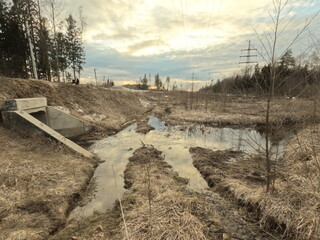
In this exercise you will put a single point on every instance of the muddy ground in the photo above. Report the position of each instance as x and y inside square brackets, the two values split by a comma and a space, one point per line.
[158, 205]
[41, 181]
[180, 108]
[290, 209]
[39, 185]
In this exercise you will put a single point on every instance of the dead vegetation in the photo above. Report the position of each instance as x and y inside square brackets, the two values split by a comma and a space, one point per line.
[292, 209]
[39, 184]
[158, 205]
[232, 110]
[100, 226]
[107, 109]
[41, 180]
[293, 206]
[143, 126]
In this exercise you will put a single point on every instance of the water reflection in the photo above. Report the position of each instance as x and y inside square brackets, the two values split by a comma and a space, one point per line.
[174, 142]
[223, 138]
[115, 151]
[157, 124]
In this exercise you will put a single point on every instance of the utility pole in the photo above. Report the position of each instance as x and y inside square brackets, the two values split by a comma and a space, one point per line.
[248, 57]
[34, 67]
[95, 76]
[192, 81]
[192, 91]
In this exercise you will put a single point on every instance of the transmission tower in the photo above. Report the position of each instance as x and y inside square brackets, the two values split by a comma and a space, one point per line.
[247, 54]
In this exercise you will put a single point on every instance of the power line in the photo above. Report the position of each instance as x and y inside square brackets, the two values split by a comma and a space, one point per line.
[209, 21]
[184, 16]
[248, 55]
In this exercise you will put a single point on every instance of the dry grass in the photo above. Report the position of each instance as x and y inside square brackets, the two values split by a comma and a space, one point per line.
[100, 226]
[293, 208]
[39, 179]
[295, 203]
[297, 210]
[236, 110]
[171, 212]
[106, 108]
[156, 206]
[38, 182]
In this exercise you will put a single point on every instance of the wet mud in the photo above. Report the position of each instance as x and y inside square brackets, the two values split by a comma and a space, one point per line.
[163, 174]
[159, 205]
[173, 142]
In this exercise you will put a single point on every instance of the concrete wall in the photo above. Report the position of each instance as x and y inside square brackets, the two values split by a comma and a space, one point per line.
[66, 124]
[13, 121]
[41, 116]
[27, 104]
[61, 122]
[24, 122]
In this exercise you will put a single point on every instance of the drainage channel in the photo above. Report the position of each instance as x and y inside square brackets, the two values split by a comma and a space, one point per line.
[174, 142]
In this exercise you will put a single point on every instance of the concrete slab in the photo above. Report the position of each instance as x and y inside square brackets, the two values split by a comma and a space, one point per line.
[27, 104]
[53, 133]
[27, 114]
[67, 125]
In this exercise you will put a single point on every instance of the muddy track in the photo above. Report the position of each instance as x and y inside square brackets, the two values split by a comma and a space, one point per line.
[217, 167]
[158, 205]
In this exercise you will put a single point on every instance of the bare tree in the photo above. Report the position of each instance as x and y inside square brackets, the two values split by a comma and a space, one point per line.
[54, 9]
[168, 82]
[269, 42]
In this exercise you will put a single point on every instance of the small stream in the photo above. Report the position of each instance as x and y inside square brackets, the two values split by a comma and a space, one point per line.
[174, 142]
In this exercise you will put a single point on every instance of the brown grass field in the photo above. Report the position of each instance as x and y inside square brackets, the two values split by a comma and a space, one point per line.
[41, 181]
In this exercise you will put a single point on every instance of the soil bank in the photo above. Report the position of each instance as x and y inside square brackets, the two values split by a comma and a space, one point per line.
[40, 179]
[291, 208]
[158, 205]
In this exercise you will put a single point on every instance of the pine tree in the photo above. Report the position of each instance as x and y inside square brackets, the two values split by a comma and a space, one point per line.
[3, 36]
[13, 43]
[55, 51]
[42, 51]
[74, 46]
[62, 53]
[157, 81]
[25, 13]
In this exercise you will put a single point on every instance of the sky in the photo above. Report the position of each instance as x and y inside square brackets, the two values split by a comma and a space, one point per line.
[186, 39]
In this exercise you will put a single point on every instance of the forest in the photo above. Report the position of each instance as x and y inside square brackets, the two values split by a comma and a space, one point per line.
[291, 78]
[40, 40]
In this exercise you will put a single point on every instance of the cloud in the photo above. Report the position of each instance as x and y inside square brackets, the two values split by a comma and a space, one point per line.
[125, 39]
[147, 47]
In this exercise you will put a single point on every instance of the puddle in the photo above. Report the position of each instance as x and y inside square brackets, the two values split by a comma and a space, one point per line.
[157, 124]
[174, 143]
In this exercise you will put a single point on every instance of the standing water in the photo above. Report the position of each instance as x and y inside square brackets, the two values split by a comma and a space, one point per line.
[173, 142]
